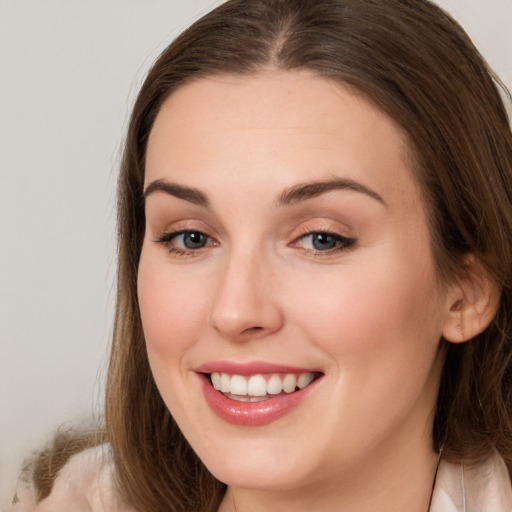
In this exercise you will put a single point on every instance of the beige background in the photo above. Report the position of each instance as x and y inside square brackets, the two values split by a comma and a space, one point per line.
[69, 69]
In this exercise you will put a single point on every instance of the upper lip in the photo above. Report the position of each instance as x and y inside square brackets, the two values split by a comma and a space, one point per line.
[250, 368]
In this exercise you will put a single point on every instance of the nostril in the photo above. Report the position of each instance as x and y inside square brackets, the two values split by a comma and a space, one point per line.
[252, 330]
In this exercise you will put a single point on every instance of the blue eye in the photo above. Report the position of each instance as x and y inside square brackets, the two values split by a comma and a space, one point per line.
[321, 241]
[185, 242]
[193, 239]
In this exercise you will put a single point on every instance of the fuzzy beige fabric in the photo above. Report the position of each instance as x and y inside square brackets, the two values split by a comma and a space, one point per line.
[85, 484]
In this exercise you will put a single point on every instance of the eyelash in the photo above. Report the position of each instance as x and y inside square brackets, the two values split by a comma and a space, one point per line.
[343, 243]
[167, 238]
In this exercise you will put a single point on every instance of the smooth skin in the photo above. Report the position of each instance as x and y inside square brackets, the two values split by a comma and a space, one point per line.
[342, 281]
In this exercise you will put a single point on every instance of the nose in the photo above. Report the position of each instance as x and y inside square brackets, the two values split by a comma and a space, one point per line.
[245, 304]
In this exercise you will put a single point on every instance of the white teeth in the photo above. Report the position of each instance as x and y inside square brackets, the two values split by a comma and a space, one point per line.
[304, 379]
[216, 380]
[224, 382]
[274, 385]
[238, 385]
[289, 383]
[257, 386]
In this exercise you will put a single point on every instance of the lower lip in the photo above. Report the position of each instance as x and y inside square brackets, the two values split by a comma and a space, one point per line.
[253, 414]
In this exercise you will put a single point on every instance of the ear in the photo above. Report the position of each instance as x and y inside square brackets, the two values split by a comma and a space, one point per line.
[472, 303]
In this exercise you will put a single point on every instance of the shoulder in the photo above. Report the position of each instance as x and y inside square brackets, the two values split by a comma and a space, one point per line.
[86, 483]
[485, 487]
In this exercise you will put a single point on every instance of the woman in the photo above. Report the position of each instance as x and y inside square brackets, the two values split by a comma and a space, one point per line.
[314, 272]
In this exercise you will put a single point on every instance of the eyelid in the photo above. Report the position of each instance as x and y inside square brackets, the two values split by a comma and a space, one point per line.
[161, 228]
[323, 226]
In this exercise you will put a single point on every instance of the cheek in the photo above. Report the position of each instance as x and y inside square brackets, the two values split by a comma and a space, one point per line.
[169, 309]
[380, 327]
[371, 308]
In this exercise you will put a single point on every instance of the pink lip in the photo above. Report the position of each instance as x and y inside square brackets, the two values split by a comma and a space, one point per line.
[250, 368]
[251, 413]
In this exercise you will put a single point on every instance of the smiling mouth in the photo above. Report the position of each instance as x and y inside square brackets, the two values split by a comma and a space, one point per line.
[259, 387]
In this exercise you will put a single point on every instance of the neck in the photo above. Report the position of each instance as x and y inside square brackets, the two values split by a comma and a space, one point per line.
[400, 480]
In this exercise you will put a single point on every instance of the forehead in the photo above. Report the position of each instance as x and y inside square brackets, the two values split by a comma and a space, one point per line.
[280, 128]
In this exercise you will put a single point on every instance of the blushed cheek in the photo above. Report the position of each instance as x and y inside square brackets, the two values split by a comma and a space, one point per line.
[156, 308]
[362, 315]
[171, 311]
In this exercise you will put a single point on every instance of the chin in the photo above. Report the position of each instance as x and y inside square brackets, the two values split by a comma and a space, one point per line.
[260, 475]
[259, 462]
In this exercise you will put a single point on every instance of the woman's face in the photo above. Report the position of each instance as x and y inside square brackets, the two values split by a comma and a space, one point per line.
[286, 245]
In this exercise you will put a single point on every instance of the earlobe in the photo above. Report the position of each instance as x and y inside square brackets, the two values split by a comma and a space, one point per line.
[472, 303]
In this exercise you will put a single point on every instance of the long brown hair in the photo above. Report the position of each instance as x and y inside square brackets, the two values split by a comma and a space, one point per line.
[414, 62]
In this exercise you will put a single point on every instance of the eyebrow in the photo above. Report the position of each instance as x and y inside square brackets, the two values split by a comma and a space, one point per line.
[291, 195]
[189, 194]
[309, 190]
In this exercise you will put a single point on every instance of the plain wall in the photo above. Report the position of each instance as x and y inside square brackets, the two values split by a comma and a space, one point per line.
[69, 70]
